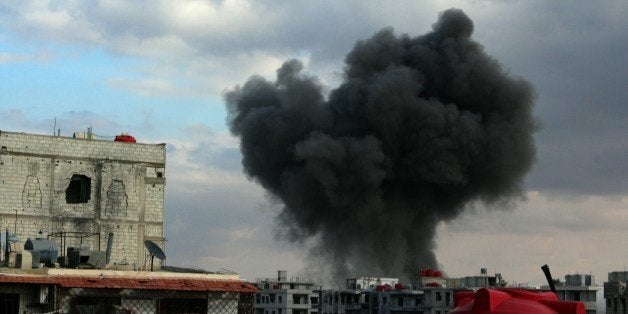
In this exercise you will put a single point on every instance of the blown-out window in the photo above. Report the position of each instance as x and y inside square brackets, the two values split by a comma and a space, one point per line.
[79, 190]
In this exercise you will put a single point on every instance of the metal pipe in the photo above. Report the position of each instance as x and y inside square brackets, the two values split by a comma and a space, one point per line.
[548, 276]
[109, 247]
[6, 247]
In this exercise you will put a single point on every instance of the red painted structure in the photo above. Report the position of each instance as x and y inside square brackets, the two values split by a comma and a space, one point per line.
[494, 301]
[385, 287]
[428, 272]
[125, 138]
[139, 283]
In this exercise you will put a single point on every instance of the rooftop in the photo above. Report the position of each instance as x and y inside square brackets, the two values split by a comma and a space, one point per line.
[106, 279]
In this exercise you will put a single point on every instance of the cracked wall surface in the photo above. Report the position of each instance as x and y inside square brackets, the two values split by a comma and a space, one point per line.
[58, 184]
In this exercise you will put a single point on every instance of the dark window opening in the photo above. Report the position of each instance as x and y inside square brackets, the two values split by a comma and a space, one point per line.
[85, 304]
[10, 303]
[79, 190]
[191, 306]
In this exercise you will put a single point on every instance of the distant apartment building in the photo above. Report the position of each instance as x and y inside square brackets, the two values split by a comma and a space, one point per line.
[77, 191]
[386, 300]
[344, 301]
[365, 295]
[483, 280]
[577, 287]
[429, 294]
[286, 296]
[615, 292]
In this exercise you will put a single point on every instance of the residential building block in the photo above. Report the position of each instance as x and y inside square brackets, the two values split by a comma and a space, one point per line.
[76, 191]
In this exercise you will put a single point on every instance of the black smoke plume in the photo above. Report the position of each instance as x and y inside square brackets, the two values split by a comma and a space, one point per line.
[419, 127]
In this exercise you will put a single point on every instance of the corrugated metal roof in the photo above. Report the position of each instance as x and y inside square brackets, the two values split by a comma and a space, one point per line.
[138, 283]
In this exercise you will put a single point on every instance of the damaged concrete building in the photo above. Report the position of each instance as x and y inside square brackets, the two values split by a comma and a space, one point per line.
[77, 192]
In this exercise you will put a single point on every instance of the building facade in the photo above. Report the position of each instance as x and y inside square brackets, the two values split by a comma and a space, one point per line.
[76, 192]
[430, 293]
[615, 292]
[386, 295]
[577, 287]
[105, 291]
[286, 296]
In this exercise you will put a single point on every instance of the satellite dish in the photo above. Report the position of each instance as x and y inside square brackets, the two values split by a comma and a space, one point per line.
[155, 251]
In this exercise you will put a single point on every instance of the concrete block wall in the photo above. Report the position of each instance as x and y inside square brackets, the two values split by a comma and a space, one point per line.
[40, 176]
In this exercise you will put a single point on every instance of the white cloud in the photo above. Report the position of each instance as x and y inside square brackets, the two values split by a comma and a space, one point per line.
[189, 162]
[164, 47]
[40, 19]
[228, 18]
[209, 46]
[9, 58]
[151, 87]
[41, 15]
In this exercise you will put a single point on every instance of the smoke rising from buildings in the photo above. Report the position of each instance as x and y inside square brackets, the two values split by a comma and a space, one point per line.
[419, 127]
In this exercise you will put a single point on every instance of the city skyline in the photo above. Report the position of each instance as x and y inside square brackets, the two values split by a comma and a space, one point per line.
[159, 70]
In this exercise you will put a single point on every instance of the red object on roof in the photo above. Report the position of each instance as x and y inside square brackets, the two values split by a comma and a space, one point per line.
[140, 283]
[493, 301]
[125, 138]
[385, 287]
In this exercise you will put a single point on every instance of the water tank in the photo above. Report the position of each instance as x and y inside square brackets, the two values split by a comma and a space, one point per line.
[125, 138]
[48, 250]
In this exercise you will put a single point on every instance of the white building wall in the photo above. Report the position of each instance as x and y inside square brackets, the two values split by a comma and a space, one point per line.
[126, 195]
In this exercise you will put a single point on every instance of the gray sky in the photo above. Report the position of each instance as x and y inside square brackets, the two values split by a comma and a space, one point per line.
[158, 70]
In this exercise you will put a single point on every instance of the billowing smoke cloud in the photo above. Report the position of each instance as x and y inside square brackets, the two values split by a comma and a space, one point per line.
[419, 127]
